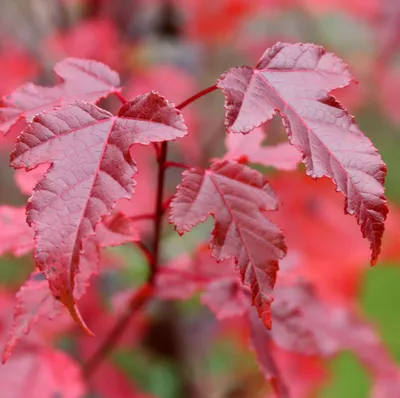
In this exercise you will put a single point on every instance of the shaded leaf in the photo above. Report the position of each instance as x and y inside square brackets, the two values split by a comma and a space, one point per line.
[16, 236]
[82, 79]
[295, 79]
[249, 149]
[32, 302]
[91, 168]
[41, 373]
[237, 197]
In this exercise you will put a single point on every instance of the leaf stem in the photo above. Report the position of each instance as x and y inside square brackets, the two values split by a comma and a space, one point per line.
[196, 96]
[121, 97]
[176, 164]
[137, 301]
[144, 216]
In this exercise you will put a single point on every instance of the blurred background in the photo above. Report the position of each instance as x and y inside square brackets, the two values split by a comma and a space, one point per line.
[178, 47]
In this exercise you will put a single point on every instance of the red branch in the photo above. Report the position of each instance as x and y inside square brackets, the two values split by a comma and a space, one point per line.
[145, 293]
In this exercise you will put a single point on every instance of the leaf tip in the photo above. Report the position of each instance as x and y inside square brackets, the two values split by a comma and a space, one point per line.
[69, 302]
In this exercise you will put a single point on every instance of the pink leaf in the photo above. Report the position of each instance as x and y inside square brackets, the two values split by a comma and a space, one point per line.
[295, 79]
[82, 79]
[227, 298]
[116, 230]
[91, 168]
[15, 235]
[249, 149]
[237, 197]
[33, 301]
[41, 373]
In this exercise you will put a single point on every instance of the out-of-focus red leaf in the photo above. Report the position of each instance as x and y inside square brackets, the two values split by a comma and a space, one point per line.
[16, 67]
[221, 288]
[92, 39]
[26, 180]
[83, 183]
[16, 236]
[33, 301]
[81, 79]
[296, 79]
[237, 197]
[248, 148]
[116, 230]
[304, 323]
[332, 256]
[366, 9]
[260, 341]
[41, 373]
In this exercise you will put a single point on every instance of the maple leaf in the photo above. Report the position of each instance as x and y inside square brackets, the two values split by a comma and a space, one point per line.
[32, 302]
[237, 197]
[91, 168]
[41, 373]
[249, 149]
[295, 80]
[15, 235]
[83, 80]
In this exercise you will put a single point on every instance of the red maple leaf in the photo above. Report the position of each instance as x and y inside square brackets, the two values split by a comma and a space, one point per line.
[82, 80]
[91, 168]
[295, 79]
[237, 197]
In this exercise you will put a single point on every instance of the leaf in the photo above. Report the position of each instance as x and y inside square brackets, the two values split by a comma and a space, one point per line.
[86, 80]
[32, 302]
[237, 197]
[227, 298]
[116, 230]
[305, 324]
[249, 149]
[15, 235]
[317, 211]
[41, 373]
[261, 343]
[295, 80]
[91, 168]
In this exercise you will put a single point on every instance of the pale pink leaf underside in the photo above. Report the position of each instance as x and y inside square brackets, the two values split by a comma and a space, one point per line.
[295, 80]
[82, 79]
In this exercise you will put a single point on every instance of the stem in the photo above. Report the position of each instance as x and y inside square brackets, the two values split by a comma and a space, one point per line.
[176, 164]
[137, 301]
[159, 210]
[144, 216]
[120, 97]
[198, 95]
[141, 296]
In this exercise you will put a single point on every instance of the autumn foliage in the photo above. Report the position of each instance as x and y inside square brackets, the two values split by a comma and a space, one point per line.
[108, 164]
